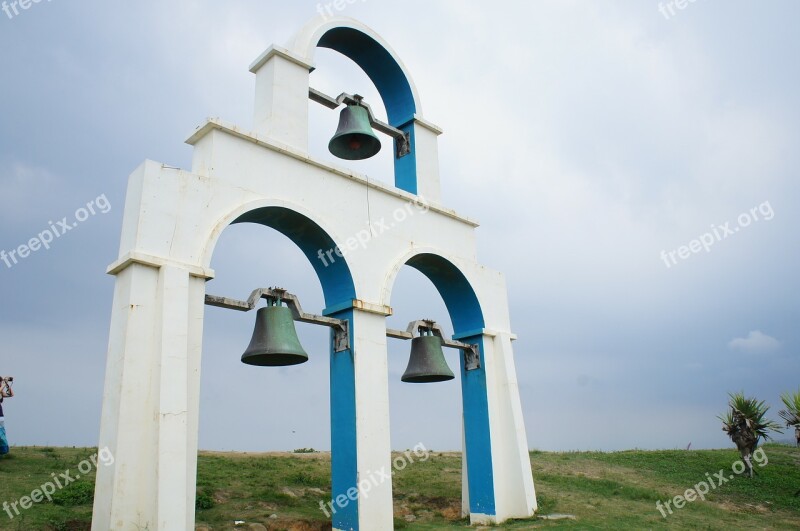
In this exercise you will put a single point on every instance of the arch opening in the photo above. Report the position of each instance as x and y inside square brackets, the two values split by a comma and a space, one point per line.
[335, 277]
[381, 67]
[233, 395]
[459, 297]
[392, 81]
[275, 398]
[334, 74]
[466, 316]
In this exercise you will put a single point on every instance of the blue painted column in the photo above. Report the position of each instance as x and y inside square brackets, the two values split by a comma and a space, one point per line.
[477, 433]
[361, 445]
[344, 463]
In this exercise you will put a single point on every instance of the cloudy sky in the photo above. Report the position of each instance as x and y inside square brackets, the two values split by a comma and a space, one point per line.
[592, 140]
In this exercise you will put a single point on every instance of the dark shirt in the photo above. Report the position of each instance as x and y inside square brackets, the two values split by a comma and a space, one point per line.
[1, 407]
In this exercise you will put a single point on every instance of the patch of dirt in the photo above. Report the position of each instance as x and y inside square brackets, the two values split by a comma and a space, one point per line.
[298, 525]
[757, 509]
[438, 502]
[452, 513]
[267, 506]
[221, 496]
[730, 507]
[302, 492]
[289, 492]
[448, 509]
[401, 509]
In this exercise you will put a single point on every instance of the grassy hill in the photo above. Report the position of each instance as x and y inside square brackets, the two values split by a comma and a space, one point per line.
[602, 490]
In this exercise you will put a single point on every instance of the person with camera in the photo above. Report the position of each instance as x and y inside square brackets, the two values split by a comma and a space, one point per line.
[5, 392]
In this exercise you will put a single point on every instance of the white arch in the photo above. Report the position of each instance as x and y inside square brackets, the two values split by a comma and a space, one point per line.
[304, 45]
[391, 277]
[233, 215]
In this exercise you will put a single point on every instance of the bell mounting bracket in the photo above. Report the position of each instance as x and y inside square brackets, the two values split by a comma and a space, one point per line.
[472, 357]
[341, 328]
[402, 139]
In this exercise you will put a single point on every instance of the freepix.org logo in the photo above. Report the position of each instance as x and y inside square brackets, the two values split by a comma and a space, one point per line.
[59, 481]
[374, 230]
[55, 230]
[12, 9]
[717, 234]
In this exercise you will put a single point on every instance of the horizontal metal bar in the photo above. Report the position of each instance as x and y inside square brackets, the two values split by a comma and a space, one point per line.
[268, 293]
[323, 99]
[399, 334]
[456, 344]
[341, 328]
[319, 320]
[387, 129]
[230, 304]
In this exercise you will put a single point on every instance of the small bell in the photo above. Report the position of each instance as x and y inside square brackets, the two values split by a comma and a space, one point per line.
[274, 341]
[427, 363]
[354, 138]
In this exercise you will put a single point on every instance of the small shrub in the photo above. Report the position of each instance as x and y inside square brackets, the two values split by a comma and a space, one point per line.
[303, 478]
[50, 452]
[204, 500]
[59, 524]
[75, 494]
[400, 523]
[546, 504]
[68, 525]
[305, 451]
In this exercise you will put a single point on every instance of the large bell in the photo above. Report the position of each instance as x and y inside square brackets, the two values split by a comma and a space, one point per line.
[427, 363]
[275, 341]
[354, 138]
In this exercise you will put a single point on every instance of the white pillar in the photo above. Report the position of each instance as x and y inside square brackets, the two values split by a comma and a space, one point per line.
[281, 105]
[515, 496]
[361, 443]
[372, 422]
[426, 144]
[151, 400]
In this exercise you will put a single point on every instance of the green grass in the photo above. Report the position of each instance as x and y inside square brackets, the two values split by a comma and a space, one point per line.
[26, 469]
[602, 490]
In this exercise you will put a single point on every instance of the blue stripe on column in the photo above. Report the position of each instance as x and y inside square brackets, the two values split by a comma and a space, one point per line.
[480, 473]
[344, 464]
[405, 168]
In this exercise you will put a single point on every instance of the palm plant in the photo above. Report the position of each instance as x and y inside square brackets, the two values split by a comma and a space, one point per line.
[792, 412]
[746, 424]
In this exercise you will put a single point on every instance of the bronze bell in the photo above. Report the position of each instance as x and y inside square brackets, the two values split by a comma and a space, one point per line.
[427, 363]
[354, 138]
[275, 341]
